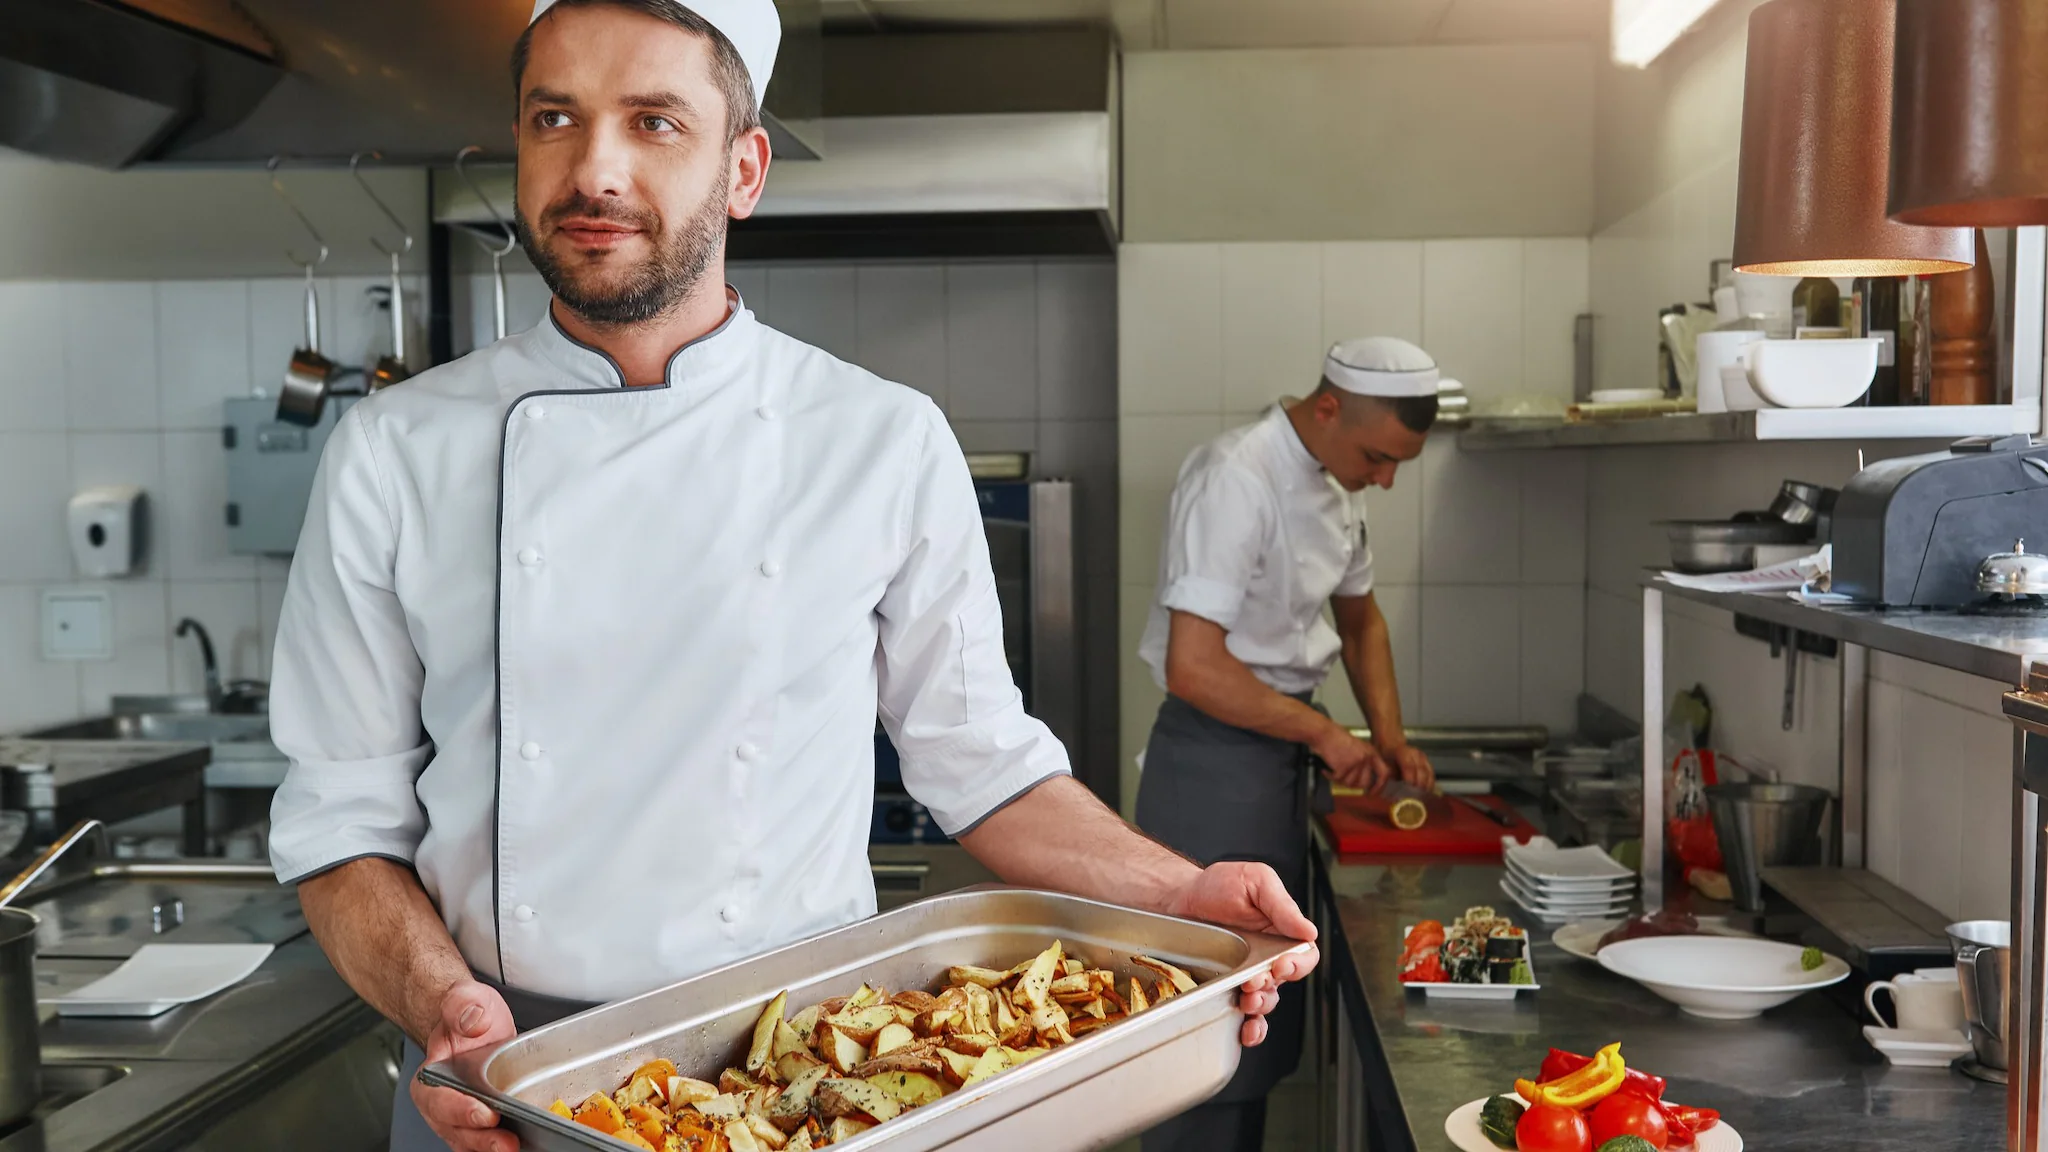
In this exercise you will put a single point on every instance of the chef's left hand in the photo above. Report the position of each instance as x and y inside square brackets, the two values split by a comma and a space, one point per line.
[1409, 763]
[1250, 897]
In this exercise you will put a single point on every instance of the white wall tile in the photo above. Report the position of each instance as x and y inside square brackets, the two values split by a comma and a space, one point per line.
[1169, 316]
[1614, 650]
[110, 356]
[35, 474]
[125, 458]
[1150, 450]
[1471, 655]
[32, 377]
[1630, 262]
[32, 691]
[991, 341]
[902, 325]
[1393, 522]
[141, 663]
[1553, 654]
[996, 435]
[1556, 288]
[1372, 288]
[277, 326]
[1472, 314]
[1272, 323]
[203, 338]
[232, 613]
[1553, 517]
[192, 514]
[1471, 515]
[1077, 339]
[1401, 606]
[817, 305]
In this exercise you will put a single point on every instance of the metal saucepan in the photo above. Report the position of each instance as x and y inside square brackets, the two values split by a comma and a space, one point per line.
[302, 396]
[1798, 502]
[1726, 545]
[21, 1056]
[390, 369]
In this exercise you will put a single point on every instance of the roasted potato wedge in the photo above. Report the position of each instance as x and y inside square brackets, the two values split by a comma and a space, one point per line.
[685, 1090]
[763, 1049]
[1137, 1002]
[925, 1063]
[1035, 986]
[972, 1043]
[741, 1137]
[968, 974]
[1181, 981]
[732, 1081]
[724, 1108]
[858, 1098]
[991, 1062]
[765, 1133]
[841, 1051]
[958, 1064]
[845, 1128]
[911, 1089]
[793, 1107]
[891, 1038]
[806, 1021]
[863, 1023]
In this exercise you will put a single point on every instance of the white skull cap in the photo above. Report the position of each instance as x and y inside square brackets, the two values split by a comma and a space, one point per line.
[753, 26]
[1381, 366]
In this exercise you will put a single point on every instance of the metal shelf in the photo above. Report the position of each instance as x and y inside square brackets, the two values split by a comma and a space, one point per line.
[1942, 422]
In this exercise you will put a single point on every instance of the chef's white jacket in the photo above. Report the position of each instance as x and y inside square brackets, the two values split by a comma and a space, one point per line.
[1258, 538]
[602, 664]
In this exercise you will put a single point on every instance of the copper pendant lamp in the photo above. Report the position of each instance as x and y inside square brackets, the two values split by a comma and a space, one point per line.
[1816, 132]
[1970, 113]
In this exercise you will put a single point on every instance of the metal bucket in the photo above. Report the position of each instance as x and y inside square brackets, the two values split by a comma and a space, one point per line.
[1983, 950]
[20, 1049]
[1764, 826]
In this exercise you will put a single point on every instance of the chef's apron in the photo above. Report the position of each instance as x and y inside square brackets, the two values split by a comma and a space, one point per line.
[409, 1131]
[1214, 792]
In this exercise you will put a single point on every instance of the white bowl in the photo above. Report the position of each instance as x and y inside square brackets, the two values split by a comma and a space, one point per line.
[1811, 373]
[1718, 977]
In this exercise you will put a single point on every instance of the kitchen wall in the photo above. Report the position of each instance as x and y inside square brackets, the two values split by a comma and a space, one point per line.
[1480, 556]
[1939, 753]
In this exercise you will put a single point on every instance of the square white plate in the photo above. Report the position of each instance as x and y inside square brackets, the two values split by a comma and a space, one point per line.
[1918, 1049]
[1585, 909]
[1593, 886]
[159, 977]
[1542, 859]
[1439, 990]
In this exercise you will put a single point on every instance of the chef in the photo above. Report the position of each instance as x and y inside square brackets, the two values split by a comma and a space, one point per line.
[588, 631]
[1265, 528]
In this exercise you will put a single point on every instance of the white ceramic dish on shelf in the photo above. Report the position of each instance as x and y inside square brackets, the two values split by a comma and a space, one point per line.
[1811, 373]
[1908, 1049]
[1462, 1126]
[1718, 977]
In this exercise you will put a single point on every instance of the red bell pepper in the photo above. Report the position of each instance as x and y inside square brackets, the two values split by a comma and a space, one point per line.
[1685, 1124]
[1561, 1063]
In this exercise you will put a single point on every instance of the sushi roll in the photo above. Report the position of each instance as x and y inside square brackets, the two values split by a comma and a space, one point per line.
[1464, 960]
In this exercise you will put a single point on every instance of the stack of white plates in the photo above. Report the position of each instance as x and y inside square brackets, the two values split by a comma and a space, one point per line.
[1558, 885]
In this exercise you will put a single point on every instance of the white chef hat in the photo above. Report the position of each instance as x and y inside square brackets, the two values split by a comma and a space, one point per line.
[1380, 366]
[753, 26]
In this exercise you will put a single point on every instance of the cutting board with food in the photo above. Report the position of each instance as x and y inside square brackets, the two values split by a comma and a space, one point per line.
[1450, 825]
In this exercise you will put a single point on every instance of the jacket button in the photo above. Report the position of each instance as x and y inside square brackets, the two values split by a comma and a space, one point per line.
[530, 557]
[535, 411]
[771, 568]
[766, 412]
[747, 752]
[729, 913]
[529, 751]
[523, 913]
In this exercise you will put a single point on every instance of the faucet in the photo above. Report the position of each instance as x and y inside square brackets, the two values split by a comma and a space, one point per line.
[213, 690]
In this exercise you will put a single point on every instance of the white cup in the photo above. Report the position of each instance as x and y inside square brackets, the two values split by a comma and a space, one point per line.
[1712, 352]
[1924, 1001]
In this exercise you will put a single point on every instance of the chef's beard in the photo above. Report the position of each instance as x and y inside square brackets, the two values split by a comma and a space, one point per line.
[612, 298]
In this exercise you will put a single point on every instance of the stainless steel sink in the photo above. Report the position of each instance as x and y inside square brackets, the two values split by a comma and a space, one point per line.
[180, 727]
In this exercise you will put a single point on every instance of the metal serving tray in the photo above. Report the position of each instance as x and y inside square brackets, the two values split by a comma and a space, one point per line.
[1103, 1088]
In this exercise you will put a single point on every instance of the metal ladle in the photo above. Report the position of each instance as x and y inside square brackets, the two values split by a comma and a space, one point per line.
[389, 369]
[303, 395]
[497, 254]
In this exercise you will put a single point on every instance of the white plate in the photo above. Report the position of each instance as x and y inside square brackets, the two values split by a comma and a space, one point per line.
[1580, 909]
[1581, 938]
[1592, 884]
[1554, 898]
[1438, 990]
[1462, 1127]
[1542, 859]
[1719, 977]
[1918, 1049]
[159, 977]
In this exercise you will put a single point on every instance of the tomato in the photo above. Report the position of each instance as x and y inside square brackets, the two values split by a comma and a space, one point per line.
[1626, 1114]
[1550, 1128]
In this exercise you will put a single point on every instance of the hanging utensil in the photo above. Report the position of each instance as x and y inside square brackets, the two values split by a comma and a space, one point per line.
[497, 254]
[389, 369]
[303, 395]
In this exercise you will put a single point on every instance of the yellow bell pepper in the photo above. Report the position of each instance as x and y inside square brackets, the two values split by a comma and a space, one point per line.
[1583, 1088]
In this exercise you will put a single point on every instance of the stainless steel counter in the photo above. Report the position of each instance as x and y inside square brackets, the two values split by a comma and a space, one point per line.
[1799, 1077]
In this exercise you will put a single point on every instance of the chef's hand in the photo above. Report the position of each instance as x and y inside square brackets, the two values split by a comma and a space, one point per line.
[1250, 897]
[1409, 763]
[1351, 761]
[473, 1016]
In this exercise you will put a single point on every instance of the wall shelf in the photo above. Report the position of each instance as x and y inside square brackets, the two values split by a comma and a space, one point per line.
[1918, 423]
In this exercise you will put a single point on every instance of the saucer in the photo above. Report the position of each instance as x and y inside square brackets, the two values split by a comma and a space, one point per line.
[1911, 1049]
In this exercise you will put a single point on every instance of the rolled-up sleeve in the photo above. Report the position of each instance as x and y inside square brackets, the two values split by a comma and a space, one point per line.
[947, 699]
[345, 678]
[1217, 529]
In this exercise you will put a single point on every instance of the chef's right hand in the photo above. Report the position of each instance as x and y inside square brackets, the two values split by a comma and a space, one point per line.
[473, 1016]
[1351, 761]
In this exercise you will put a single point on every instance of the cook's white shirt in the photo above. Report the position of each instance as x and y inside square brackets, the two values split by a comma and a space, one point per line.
[603, 664]
[1258, 538]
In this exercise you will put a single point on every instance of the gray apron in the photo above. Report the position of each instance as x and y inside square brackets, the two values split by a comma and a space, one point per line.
[1216, 792]
[530, 1010]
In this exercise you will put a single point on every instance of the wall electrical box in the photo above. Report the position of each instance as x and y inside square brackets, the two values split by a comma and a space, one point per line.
[270, 472]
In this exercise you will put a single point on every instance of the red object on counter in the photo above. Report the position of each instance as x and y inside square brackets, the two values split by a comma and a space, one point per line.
[1360, 827]
[1561, 1063]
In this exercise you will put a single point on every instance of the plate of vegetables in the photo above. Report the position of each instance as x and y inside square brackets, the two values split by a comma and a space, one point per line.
[1481, 956]
[1591, 1103]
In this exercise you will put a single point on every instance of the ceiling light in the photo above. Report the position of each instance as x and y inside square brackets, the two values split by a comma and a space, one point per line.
[1969, 140]
[1643, 29]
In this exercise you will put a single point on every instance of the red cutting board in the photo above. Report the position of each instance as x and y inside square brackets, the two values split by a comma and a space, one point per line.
[1360, 826]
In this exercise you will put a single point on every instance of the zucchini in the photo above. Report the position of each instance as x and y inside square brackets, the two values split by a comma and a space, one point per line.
[1498, 1119]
